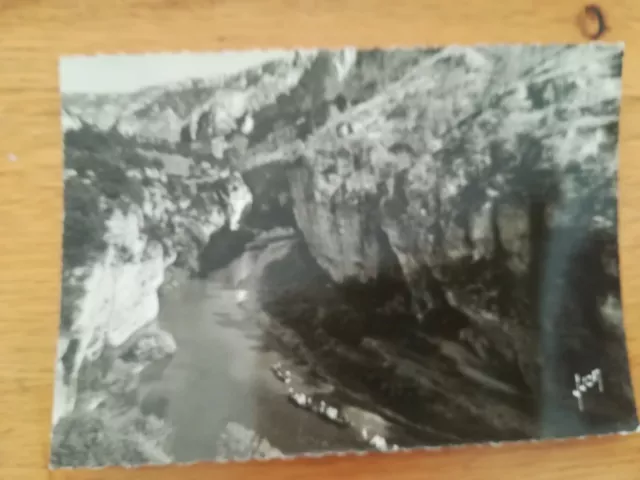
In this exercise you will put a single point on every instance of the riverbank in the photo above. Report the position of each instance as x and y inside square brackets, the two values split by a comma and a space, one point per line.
[272, 305]
[221, 370]
[435, 389]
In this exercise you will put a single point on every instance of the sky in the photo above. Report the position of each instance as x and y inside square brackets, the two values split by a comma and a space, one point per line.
[126, 73]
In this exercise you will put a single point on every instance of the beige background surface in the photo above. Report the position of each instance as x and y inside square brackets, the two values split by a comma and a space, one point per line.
[33, 33]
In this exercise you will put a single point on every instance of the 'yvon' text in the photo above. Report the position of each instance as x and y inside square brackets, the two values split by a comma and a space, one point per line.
[585, 383]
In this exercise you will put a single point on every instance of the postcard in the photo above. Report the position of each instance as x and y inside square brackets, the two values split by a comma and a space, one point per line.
[281, 253]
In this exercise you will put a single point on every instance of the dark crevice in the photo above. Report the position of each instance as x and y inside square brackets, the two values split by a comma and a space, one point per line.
[271, 208]
[499, 260]
[224, 246]
[68, 358]
[272, 202]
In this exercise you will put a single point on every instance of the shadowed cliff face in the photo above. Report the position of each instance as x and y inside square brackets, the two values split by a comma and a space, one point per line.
[273, 207]
[498, 205]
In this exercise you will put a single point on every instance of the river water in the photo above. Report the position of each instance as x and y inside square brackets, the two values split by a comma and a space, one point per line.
[220, 372]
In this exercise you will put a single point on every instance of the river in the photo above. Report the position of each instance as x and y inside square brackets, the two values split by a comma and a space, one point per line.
[220, 372]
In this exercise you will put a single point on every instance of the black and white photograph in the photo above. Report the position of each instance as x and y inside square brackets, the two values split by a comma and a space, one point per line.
[283, 253]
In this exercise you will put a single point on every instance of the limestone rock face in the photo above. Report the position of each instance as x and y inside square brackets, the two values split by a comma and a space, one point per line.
[126, 223]
[194, 110]
[469, 168]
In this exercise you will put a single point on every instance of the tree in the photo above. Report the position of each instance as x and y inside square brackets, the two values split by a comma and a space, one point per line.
[84, 223]
[99, 438]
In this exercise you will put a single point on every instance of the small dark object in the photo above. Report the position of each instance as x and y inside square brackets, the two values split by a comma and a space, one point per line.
[341, 103]
[593, 12]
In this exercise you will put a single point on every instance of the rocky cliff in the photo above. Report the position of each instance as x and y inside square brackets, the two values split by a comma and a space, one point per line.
[257, 111]
[198, 109]
[127, 223]
[489, 177]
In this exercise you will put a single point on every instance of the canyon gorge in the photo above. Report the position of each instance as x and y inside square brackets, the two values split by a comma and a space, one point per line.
[451, 217]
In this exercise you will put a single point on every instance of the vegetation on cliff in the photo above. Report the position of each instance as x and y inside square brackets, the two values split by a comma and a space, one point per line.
[96, 183]
[113, 423]
[482, 171]
[106, 172]
[96, 438]
[113, 189]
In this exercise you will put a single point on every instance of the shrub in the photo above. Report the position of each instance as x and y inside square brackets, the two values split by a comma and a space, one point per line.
[108, 155]
[84, 223]
[101, 437]
[133, 159]
[124, 254]
[71, 294]
[198, 204]
[157, 163]
[101, 160]
[174, 187]
[111, 180]
[86, 138]
[155, 232]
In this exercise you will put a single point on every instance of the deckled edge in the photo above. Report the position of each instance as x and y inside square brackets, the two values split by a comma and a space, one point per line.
[306, 49]
[363, 453]
[621, 44]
